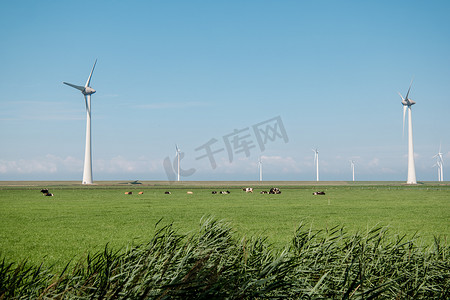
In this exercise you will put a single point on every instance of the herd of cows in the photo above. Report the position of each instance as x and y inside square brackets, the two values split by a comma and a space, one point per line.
[274, 190]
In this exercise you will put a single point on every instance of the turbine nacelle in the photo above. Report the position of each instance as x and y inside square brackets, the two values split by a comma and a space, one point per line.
[88, 91]
[408, 102]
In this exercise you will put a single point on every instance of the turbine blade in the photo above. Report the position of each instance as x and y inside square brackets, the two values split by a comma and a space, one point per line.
[81, 88]
[401, 96]
[90, 75]
[409, 89]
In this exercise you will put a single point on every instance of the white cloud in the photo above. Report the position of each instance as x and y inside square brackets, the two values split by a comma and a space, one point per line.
[374, 162]
[120, 164]
[49, 164]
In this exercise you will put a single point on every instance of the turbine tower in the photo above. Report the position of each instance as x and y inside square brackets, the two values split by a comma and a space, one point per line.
[407, 103]
[352, 164]
[316, 162]
[87, 91]
[440, 164]
[260, 168]
[178, 159]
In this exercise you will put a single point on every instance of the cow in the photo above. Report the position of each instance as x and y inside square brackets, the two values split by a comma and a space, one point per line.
[128, 193]
[264, 192]
[248, 190]
[140, 193]
[214, 192]
[224, 192]
[45, 192]
[167, 193]
[189, 192]
[274, 191]
[318, 193]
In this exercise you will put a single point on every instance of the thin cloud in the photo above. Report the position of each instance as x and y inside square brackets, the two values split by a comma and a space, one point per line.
[173, 105]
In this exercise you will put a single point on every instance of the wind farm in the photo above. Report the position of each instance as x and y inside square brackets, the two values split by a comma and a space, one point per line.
[189, 173]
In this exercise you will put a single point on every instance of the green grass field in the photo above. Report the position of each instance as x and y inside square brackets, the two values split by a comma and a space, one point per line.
[81, 219]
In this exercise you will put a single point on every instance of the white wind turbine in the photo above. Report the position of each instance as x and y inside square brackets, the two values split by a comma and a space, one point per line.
[316, 162]
[178, 159]
[440, 164]
[87, 91]
[352, 164]
[407, 103]
[260, 168]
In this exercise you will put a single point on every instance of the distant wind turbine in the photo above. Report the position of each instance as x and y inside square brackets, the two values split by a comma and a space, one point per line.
[440, 164]
[260, 168]
[352, 164]
[178, 158]
[316, 162]
[407, 103]
[87, 91]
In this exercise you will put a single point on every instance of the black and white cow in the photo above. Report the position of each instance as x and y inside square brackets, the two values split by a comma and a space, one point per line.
[45, 192]
[248, 190]
[318, 193]
[274, 191]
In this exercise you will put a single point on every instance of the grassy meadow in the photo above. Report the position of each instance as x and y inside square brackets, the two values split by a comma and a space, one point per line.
[81, 219]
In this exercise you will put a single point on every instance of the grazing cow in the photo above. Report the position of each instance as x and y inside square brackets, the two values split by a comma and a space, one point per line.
[214, 192]
[140, 193]
[224, 192]
[264, 192]
[274, 191]
[167, 193]
[318, 193]
[45, 192]
[248, 190]
[128, 193]
[189, 192]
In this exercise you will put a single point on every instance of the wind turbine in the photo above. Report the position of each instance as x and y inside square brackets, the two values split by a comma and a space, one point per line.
[316, 162]
[178, 158]
[407, 103]
[352, 164]
[260, 168]
[87, 91]
[440, 164]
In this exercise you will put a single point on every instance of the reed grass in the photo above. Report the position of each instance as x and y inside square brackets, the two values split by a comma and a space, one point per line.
[212, 263]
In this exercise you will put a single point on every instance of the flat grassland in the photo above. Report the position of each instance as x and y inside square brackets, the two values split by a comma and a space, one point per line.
[81, 219]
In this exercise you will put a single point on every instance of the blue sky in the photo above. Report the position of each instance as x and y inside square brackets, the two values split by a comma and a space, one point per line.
[189, 72]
